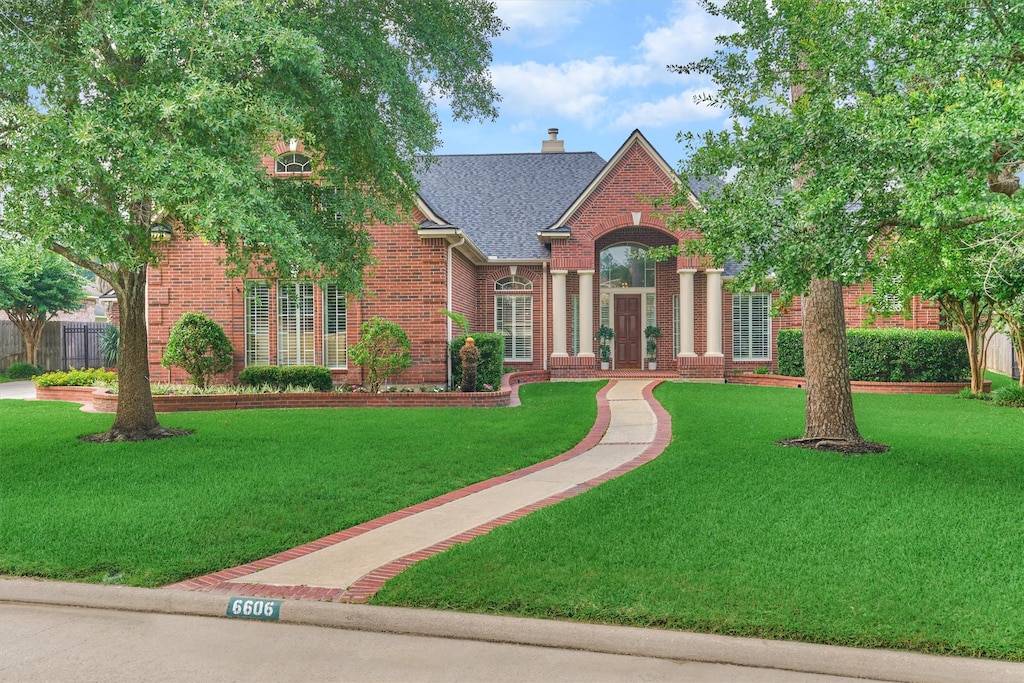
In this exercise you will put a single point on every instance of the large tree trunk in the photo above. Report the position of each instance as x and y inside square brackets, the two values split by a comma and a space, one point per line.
[136, 416]
[830, 420]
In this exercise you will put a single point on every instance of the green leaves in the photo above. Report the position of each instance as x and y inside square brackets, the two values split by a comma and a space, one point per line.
[903, 115]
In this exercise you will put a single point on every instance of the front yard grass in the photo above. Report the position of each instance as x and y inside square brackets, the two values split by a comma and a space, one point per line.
[247, 484]
[920, 548]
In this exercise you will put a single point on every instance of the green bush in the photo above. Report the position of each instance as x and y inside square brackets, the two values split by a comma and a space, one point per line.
[24, 370]
[1010, 396]
[889, 355]
[492, 358]
[383, 351]
[790, 346]
[260, 375]
[315, 376]
[198, 346]
[75, 378]
[280, 378]
[110, 345]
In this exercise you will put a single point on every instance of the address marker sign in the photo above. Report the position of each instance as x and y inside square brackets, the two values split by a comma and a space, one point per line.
[254, 608]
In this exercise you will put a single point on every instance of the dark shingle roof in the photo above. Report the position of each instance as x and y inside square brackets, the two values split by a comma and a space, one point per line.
[503, 200]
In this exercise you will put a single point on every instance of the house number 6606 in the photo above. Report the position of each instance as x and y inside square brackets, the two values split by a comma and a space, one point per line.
[254, 608]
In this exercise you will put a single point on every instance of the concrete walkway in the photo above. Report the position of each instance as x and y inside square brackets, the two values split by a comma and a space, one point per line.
[352, 565]
[21, 389]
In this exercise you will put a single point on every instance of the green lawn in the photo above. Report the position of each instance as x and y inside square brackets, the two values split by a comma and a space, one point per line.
[919, 548]
[247, 484]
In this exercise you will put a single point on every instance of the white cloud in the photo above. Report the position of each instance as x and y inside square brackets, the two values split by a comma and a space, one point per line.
[690, 36]
[669, 111]
[575, 89]
[539, 22]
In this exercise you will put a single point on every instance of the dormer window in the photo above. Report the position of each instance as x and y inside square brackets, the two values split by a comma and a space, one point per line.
[292, 163]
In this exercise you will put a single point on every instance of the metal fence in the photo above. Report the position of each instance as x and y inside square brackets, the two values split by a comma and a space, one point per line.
[64, 345]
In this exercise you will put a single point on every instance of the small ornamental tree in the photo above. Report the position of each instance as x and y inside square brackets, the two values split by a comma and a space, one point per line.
[470, 356]
[35, 285]
[383, 351]
[198, 346]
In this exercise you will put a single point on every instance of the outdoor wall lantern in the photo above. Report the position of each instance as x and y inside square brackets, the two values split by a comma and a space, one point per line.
[160, 232]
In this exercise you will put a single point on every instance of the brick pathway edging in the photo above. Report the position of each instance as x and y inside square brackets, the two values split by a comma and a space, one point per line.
[218, 581]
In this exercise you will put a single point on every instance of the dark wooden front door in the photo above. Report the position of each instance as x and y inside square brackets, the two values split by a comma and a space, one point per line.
[627, 332]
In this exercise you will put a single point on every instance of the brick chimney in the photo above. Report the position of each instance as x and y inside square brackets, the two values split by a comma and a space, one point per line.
[552, 144]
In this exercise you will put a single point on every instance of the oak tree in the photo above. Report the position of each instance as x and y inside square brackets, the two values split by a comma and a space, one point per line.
[119, 119]
[842, 141]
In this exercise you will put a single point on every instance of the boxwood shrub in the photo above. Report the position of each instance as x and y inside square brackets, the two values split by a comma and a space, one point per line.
[492, 358]
[889, 355]
[315, 376]
[24, 370]
[74, 378]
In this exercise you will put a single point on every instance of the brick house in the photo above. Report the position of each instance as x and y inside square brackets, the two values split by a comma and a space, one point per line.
[541, 246]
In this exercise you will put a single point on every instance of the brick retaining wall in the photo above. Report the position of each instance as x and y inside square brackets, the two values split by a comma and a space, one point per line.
[858, 387]
[104, 402]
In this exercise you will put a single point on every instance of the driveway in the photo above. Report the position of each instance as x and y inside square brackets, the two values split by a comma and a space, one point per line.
[22, 390]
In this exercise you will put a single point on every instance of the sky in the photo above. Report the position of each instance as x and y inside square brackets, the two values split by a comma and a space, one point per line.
[596, 70]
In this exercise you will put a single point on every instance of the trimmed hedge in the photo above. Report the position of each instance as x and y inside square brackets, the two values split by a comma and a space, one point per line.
[74, 378]
[889, 355]
[315, 376]
[492, 358]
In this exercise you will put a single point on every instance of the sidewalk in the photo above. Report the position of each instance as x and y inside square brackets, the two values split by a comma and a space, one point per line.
[352, 565]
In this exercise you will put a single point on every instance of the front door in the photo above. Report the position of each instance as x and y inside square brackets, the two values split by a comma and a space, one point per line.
[627, 332]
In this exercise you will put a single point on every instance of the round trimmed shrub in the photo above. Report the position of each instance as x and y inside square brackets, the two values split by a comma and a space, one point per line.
[24, 370]
[198, 346]
[383, 351]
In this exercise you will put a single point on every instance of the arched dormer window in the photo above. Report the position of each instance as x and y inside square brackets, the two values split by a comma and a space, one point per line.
[513, 282]
[293, 162]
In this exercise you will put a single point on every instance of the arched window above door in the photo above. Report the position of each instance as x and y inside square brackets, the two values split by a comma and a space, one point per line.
[625, 265]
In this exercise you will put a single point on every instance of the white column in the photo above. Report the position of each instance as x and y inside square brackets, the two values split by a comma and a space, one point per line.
[558, 314]
[714, 313]
[686, 311]
[586, 313]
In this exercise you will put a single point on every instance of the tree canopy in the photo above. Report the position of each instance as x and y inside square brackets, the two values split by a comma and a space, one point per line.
[856, 125]
[118, 115]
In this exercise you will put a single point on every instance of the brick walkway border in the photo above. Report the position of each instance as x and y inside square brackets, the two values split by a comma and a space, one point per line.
[367, 586]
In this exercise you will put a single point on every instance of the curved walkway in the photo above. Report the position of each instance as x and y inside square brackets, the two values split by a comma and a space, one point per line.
[352, 565]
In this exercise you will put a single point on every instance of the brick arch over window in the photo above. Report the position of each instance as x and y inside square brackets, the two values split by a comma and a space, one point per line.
[527, 272]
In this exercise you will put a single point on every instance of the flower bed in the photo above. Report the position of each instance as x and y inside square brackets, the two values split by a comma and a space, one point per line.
[104, 402]
[858, 387]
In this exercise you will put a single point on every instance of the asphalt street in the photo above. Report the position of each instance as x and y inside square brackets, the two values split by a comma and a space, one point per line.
[44, 643]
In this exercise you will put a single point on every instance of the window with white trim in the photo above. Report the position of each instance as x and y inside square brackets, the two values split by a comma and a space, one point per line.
[295, 343]
[513, 317]
[257, 323]
[751, 326]
[293, 162]
[335, 327]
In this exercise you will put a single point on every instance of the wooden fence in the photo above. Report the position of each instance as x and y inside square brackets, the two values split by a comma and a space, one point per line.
[64, 345]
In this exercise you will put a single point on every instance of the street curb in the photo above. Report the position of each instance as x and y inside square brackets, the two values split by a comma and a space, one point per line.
[621, 640]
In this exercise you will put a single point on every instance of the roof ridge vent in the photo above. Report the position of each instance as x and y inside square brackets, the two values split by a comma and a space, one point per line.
[552, 144]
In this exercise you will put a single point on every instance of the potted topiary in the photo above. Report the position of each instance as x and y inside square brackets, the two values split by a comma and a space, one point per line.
[652, 333]
[604, 335]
